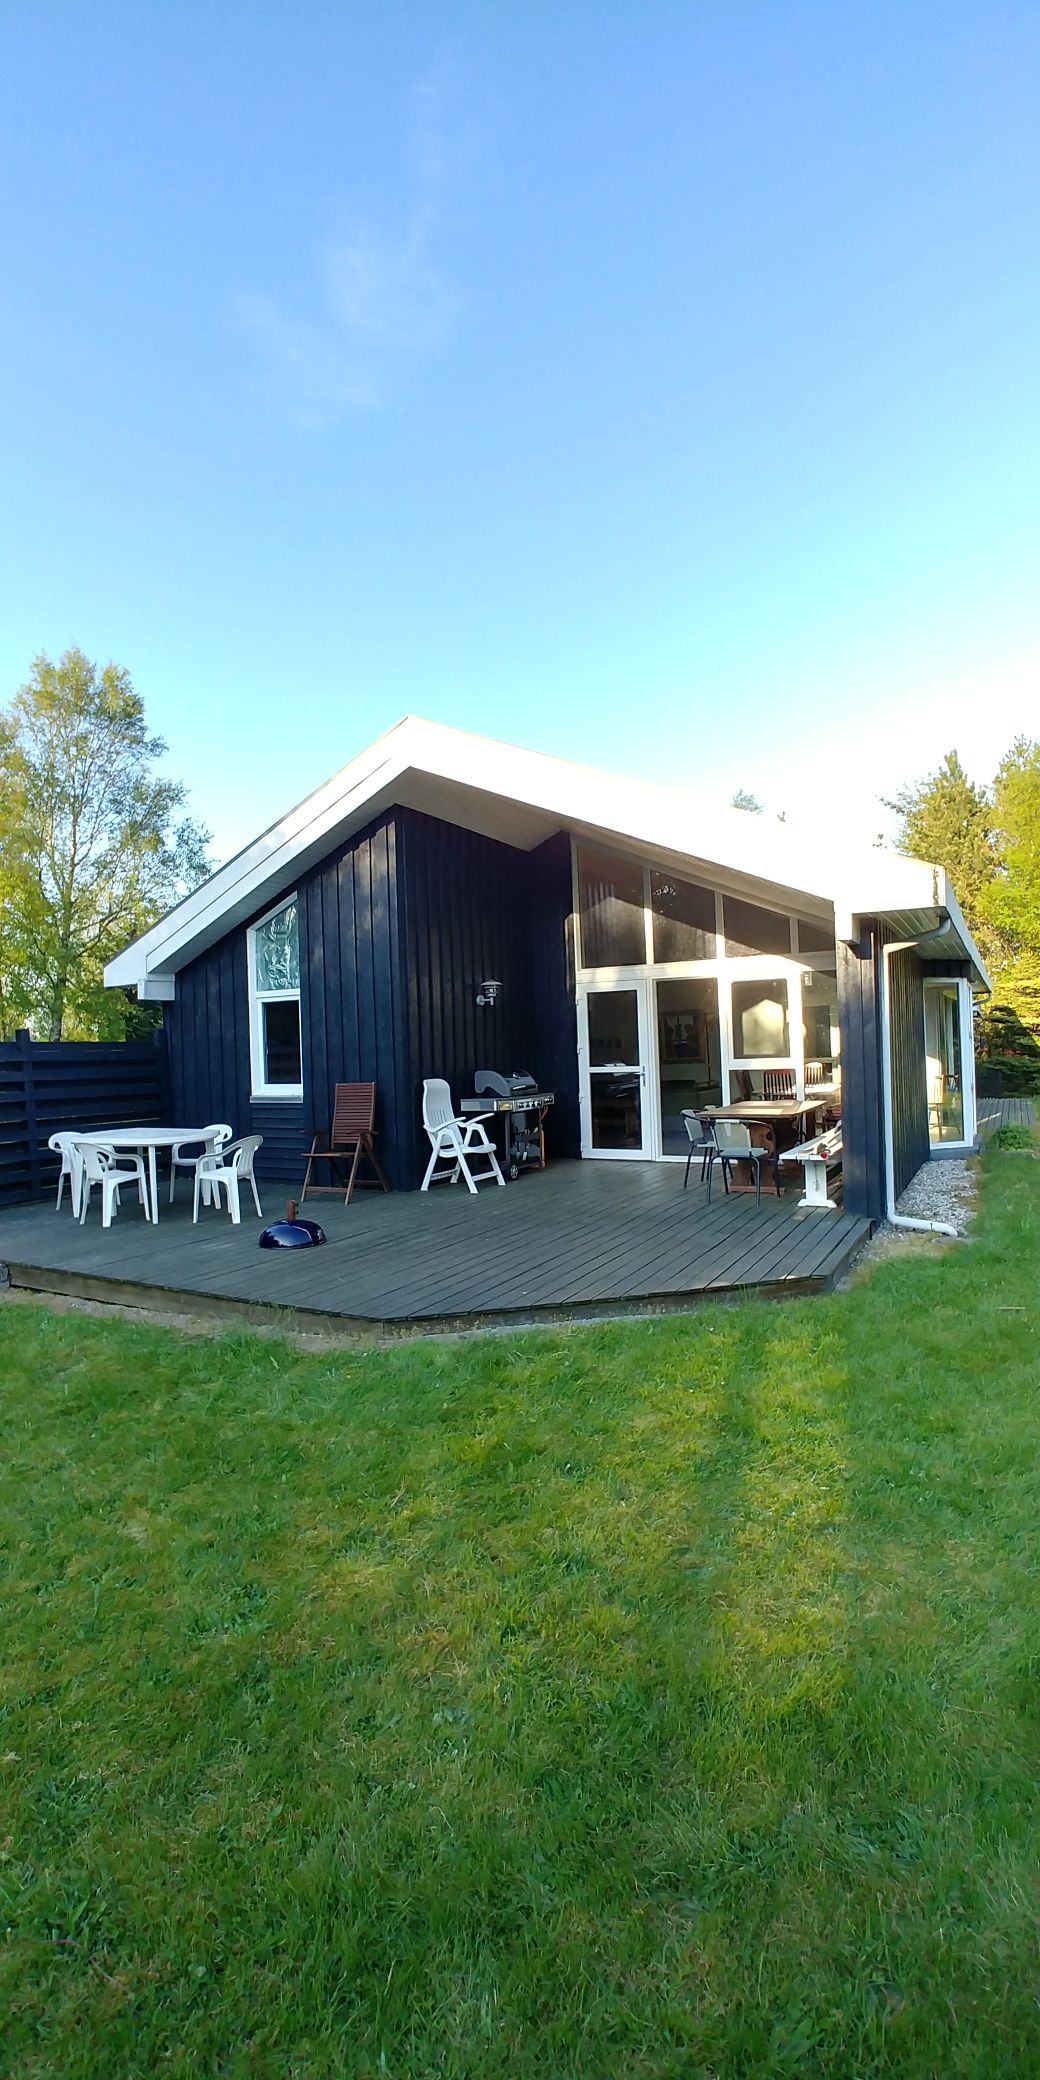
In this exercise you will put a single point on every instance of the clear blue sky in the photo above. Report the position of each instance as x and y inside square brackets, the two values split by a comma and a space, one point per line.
[657, 385]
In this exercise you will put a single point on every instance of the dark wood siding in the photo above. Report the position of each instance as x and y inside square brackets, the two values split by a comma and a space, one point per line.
[354, 1014]
[909, 1072]
[207, 1030]
[862, 1098]
[349, 1011]
[555, 1060]
[858, 1015]
[466, 918]
[397, 930]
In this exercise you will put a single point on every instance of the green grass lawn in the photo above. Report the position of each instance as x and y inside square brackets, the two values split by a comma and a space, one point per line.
[645, 1699]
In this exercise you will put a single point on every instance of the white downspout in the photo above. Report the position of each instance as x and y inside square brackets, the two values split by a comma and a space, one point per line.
[898, 1220]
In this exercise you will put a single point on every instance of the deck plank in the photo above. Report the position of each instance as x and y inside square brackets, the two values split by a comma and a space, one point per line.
[578, 1235]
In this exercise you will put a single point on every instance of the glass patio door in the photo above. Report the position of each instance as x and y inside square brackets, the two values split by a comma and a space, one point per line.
[614, 1053]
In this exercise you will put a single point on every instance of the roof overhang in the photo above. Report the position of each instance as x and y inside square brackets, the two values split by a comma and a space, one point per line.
[521, 798]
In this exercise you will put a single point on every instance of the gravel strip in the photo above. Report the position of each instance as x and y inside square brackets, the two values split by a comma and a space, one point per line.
[941, 1192]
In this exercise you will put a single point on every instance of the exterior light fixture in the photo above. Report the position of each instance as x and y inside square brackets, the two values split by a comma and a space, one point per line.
[487, 992]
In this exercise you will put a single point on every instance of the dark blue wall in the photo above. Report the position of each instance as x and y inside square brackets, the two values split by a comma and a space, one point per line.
[910, 1141]
[352, 1001]
[474, 909]
[862, 1097]
[555, 1013]
[398, 928]
[858, 1015]
[207, 1031]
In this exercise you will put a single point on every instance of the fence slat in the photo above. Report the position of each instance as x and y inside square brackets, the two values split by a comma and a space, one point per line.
[51, 1086]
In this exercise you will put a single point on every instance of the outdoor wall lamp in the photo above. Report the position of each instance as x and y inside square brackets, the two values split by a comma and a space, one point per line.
[487, 992]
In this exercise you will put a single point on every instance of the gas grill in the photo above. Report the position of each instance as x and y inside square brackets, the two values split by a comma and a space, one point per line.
[522, 1107]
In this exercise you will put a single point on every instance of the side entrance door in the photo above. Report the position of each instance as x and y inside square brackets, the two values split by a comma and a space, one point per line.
[614, 1063]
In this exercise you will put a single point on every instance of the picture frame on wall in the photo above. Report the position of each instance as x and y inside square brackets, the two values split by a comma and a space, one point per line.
[684, 1036]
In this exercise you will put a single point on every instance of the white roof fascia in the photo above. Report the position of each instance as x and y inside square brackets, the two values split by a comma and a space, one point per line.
[565, 795]
[969, 950]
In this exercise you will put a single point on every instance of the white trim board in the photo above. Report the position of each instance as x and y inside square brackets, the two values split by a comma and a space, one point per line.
[522, 797]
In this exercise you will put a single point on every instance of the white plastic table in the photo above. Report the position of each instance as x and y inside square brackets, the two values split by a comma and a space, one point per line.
[145, 1141]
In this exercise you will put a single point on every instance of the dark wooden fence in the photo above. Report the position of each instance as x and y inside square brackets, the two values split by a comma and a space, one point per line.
[47, 1086]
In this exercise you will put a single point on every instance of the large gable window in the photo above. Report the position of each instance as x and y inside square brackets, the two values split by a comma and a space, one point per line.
[274, 1004]
[610, 902]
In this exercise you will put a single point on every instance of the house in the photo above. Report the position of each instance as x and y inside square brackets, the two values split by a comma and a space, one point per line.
[650, 953]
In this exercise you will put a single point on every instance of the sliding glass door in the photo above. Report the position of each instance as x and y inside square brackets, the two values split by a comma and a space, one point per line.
[689, 1055]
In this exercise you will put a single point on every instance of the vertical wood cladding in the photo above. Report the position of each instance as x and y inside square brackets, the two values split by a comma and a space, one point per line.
[465, 919]
[862, 1095]
[859, 1019]
[350, 1011]
[909, 1068]
[397, 930]
[353, 1005]
[555, 1010]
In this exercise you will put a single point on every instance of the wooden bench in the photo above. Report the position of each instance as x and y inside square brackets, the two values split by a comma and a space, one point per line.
[817, 1156]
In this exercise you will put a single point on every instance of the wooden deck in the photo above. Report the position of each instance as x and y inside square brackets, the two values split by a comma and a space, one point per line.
[1003, 1112]
[578, 1238]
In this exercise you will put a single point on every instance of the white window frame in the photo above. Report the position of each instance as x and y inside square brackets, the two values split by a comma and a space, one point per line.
[724, 969]
[287, 1092]
[939, 1150]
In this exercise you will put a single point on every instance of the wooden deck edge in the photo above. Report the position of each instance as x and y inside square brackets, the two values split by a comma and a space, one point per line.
[274, 1316]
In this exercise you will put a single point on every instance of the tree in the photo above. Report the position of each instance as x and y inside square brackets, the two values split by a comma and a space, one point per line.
[1012, 901]
[743, 800]
[93, 850]
[948, 819]
[1013, 898]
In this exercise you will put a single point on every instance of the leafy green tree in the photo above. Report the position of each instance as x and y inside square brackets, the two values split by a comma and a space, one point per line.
[1013, 899]
[948, 819]
[1012, 902]
[93, 847]
[745, 800]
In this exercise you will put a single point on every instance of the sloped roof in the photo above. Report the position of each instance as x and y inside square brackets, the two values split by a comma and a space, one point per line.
[523, 797]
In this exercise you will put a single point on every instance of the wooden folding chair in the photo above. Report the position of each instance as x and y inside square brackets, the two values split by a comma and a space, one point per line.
[352, 1137]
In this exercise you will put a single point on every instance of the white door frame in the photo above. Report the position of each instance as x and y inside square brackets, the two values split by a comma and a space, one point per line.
[963, 1013]
[646, 1068]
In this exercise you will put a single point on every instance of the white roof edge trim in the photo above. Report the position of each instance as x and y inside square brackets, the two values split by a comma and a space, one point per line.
[637, 810]
[960, 925]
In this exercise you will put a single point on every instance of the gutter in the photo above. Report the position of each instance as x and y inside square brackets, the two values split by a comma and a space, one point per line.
[901, 1220]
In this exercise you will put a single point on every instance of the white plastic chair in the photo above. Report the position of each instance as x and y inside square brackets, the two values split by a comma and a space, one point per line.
[64, 1145]
[100, 1165]
[224, 1172]
[458, 1140]
[212, 1139]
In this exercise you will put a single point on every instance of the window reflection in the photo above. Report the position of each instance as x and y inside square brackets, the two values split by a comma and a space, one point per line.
[610, 903]
[750, 929]
[684, 919]
[760, 1027]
